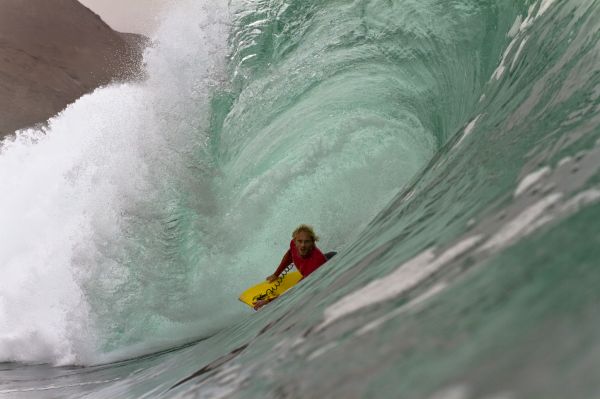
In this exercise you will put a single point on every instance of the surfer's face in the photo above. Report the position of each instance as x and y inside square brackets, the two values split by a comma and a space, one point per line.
[304, 243]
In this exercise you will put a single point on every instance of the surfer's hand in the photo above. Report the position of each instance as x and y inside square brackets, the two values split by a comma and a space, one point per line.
[259, 304]
[272, 278]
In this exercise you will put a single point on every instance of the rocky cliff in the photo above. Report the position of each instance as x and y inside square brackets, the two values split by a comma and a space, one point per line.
[54, 51]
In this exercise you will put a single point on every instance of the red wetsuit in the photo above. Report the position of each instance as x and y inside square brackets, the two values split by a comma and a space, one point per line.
[305, 265]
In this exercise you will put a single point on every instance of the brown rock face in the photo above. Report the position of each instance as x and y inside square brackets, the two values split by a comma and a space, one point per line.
[51, 53]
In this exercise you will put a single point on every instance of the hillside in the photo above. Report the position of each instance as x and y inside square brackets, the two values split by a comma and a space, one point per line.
[54, 51]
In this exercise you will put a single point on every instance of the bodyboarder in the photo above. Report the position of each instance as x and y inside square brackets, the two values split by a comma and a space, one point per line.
[303, 253]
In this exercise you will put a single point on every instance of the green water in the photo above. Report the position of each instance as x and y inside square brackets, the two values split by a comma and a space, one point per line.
[449, 150]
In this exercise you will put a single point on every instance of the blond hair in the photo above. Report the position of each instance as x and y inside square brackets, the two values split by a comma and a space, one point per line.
[307, 229]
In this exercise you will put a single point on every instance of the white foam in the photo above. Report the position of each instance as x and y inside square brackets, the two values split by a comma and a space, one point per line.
[518, 53]
[564, 161]
[527, 22]
[531, 179]
[524, 223]
[321, 351]
[405, 277]
[520, 25]
[581, 199]
[515, 27]
[373, 325]
[501, 67]
[544, 7]
[468, 129]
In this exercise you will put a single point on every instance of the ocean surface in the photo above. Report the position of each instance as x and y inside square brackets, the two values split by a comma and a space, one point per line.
[449, 150]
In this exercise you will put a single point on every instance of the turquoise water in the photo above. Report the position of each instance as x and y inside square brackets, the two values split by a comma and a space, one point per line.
[448, 150]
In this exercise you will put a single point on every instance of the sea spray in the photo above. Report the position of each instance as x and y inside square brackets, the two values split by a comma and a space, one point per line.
[89, 205]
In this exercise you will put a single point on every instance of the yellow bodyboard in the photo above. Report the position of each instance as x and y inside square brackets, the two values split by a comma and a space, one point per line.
[270, 291]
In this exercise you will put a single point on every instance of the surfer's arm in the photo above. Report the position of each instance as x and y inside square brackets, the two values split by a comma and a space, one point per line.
[285, 262]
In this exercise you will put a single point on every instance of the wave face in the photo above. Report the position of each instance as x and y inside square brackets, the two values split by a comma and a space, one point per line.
[449, 150]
